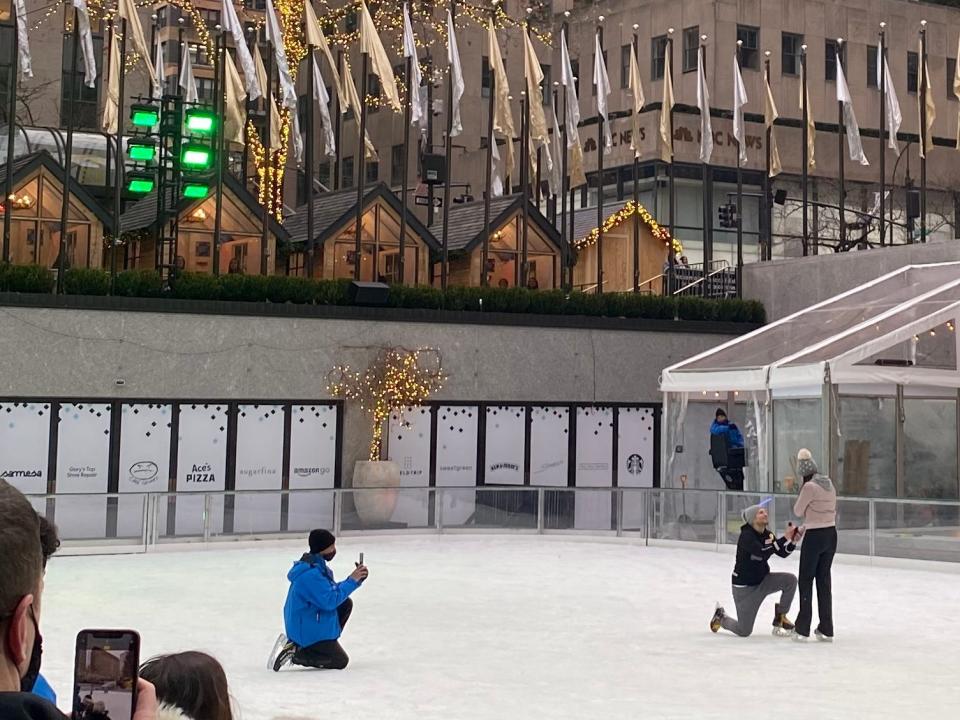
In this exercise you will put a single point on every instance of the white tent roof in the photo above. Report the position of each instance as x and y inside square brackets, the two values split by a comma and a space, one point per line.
[885, 331]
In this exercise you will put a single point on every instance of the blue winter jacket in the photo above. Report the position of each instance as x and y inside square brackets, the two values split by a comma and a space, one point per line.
[734, 438]
[310, 612]
[42, 688]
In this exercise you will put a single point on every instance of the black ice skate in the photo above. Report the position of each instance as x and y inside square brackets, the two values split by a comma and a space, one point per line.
[716, 619]
[284, 656]
[781, 623]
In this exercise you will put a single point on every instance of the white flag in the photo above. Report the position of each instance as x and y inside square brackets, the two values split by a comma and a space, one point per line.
[739, 100]
[23, 42]
[297, 139]
[703, 102]
[636, 90]
[770, 115]
[128, 11]
[158, 66]
[956, 92]
[287, 91]
[86, 43]
[322, 98]
[418, 94]
[379, 61]
[111, 105]
[925, 99]
[894, 116]
[537, 130]
[232, 23]
[555, 179]
[453, 57]
[854, 145]
[260, 73]
[187, 81]
[353, 99]
[496, 182]
[602, 83]
[234, 105]
[569, 82]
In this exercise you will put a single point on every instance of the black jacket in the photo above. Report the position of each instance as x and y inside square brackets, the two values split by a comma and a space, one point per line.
[753, 555]
[27, 706]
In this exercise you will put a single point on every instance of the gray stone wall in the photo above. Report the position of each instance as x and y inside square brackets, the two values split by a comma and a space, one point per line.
[48, 352]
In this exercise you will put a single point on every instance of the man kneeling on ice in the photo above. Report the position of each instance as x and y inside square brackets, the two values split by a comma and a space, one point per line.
[752, 579]
[317, 607]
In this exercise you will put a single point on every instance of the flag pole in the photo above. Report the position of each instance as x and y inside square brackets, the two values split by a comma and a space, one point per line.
[488, 179]
[739, 196]
[118, 170]
[11, 135]
[707, 201]
[448, 151]
[67, 157]
[221, 59]
[636, 183]
[842, 204]
[246, 118]
[565, 180]
[671, 260]
[805, 160]
[881, 65]
[524, 180]
[923, 130]
[338, 128]
[267, 159]
[600, 149]
[311, 117]
[361, 169]
[766, 248]
[407, 113]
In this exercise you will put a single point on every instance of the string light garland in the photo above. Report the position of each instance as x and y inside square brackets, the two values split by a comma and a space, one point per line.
[623, 215]
[396, 379]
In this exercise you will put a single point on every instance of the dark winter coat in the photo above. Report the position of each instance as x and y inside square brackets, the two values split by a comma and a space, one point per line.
[310, 613]
[27, 706]
[730, 431]
[753, 555]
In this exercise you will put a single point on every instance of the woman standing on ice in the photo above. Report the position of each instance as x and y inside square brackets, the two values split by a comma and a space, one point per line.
[817, 505]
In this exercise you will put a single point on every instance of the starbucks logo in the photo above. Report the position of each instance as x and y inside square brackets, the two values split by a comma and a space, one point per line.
[634, 464]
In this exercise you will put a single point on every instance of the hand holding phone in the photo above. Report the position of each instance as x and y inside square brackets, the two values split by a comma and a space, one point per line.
[360, 562]
[105, 675]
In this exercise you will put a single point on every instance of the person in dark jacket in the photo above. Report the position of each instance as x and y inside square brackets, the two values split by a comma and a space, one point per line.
[752, 580]
[731, 439]
[317, 607]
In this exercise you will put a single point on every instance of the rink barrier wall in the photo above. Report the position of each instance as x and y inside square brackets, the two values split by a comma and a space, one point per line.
[913, 529]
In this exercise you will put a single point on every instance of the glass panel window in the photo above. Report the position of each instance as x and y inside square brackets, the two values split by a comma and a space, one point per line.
[347, 178]
[790, 53]
[868, 447]
[624, 66]
[872, 76]
[658, 53]
[830, 50]
[691, 47]
[930, 448]
[396, 165]
[750, 50]
[913, 69]
[77, 101]
[546, 86]
[485, 77]
[951, 71]
[796, 424]
[373, 171]
[373, 92]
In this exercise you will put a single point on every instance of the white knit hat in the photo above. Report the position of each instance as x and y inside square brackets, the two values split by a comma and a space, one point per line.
[805, 464]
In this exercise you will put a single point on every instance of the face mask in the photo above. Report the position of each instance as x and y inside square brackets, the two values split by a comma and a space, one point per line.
[33, 669]
[329, 556]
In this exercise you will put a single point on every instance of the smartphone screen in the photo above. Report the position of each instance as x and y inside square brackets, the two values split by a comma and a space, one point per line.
[105, 674]
[361, 558]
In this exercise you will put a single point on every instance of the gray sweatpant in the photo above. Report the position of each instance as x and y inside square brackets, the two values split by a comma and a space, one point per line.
[748, 600]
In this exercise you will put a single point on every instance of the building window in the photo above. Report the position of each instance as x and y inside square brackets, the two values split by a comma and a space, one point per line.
[303, 107]
[951, 71]
[346, 180]
[546, 86]
[592, 83]
[198, 54]
[373, 92]
[624, 66]
[913, 69]
[255, 4]
[830, 50]
[205, 89]
[372, 171]
[575, 69]
[210, 17]
[83, 108]
[658, 53]
[350, 21]
[323, 174]
[396, 166]
[750, 49]
[872, 68]
[790, 53]
[691, 48]
[485, 76]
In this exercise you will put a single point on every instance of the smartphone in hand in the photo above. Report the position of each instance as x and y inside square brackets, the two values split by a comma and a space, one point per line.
[361, 560]
[105, 672]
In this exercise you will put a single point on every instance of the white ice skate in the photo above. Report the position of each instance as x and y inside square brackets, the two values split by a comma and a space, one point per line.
[281, 653]
[821, 637]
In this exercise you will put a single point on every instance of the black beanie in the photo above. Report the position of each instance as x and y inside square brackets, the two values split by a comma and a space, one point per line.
[720, 411]
[320, 540]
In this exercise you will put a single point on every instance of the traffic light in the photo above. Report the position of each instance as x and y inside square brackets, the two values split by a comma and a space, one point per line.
[142, 149]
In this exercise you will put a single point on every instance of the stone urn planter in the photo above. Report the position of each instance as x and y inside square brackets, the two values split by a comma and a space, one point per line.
[380, 482]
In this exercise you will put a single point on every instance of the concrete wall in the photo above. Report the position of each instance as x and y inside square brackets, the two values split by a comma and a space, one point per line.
[786, 286]
[83, 353]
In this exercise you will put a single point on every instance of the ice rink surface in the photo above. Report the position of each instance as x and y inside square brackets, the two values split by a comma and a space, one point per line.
[524, 627]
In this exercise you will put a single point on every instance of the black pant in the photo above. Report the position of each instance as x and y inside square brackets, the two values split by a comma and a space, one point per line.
[816, 557]
[327, 653]
[732, 477]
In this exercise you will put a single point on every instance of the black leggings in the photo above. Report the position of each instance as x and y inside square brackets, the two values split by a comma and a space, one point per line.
[327, 653]
[816, 557]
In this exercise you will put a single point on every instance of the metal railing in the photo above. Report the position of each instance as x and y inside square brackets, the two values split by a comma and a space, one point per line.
[873, 527]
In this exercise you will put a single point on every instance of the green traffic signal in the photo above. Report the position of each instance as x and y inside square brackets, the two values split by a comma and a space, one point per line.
[145, 116]
[200, 121]
[196, 157]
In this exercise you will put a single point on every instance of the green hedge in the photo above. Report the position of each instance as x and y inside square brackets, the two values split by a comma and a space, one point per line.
[300, 291]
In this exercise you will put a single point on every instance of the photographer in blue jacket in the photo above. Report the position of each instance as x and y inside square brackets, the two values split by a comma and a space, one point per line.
[317, 607]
